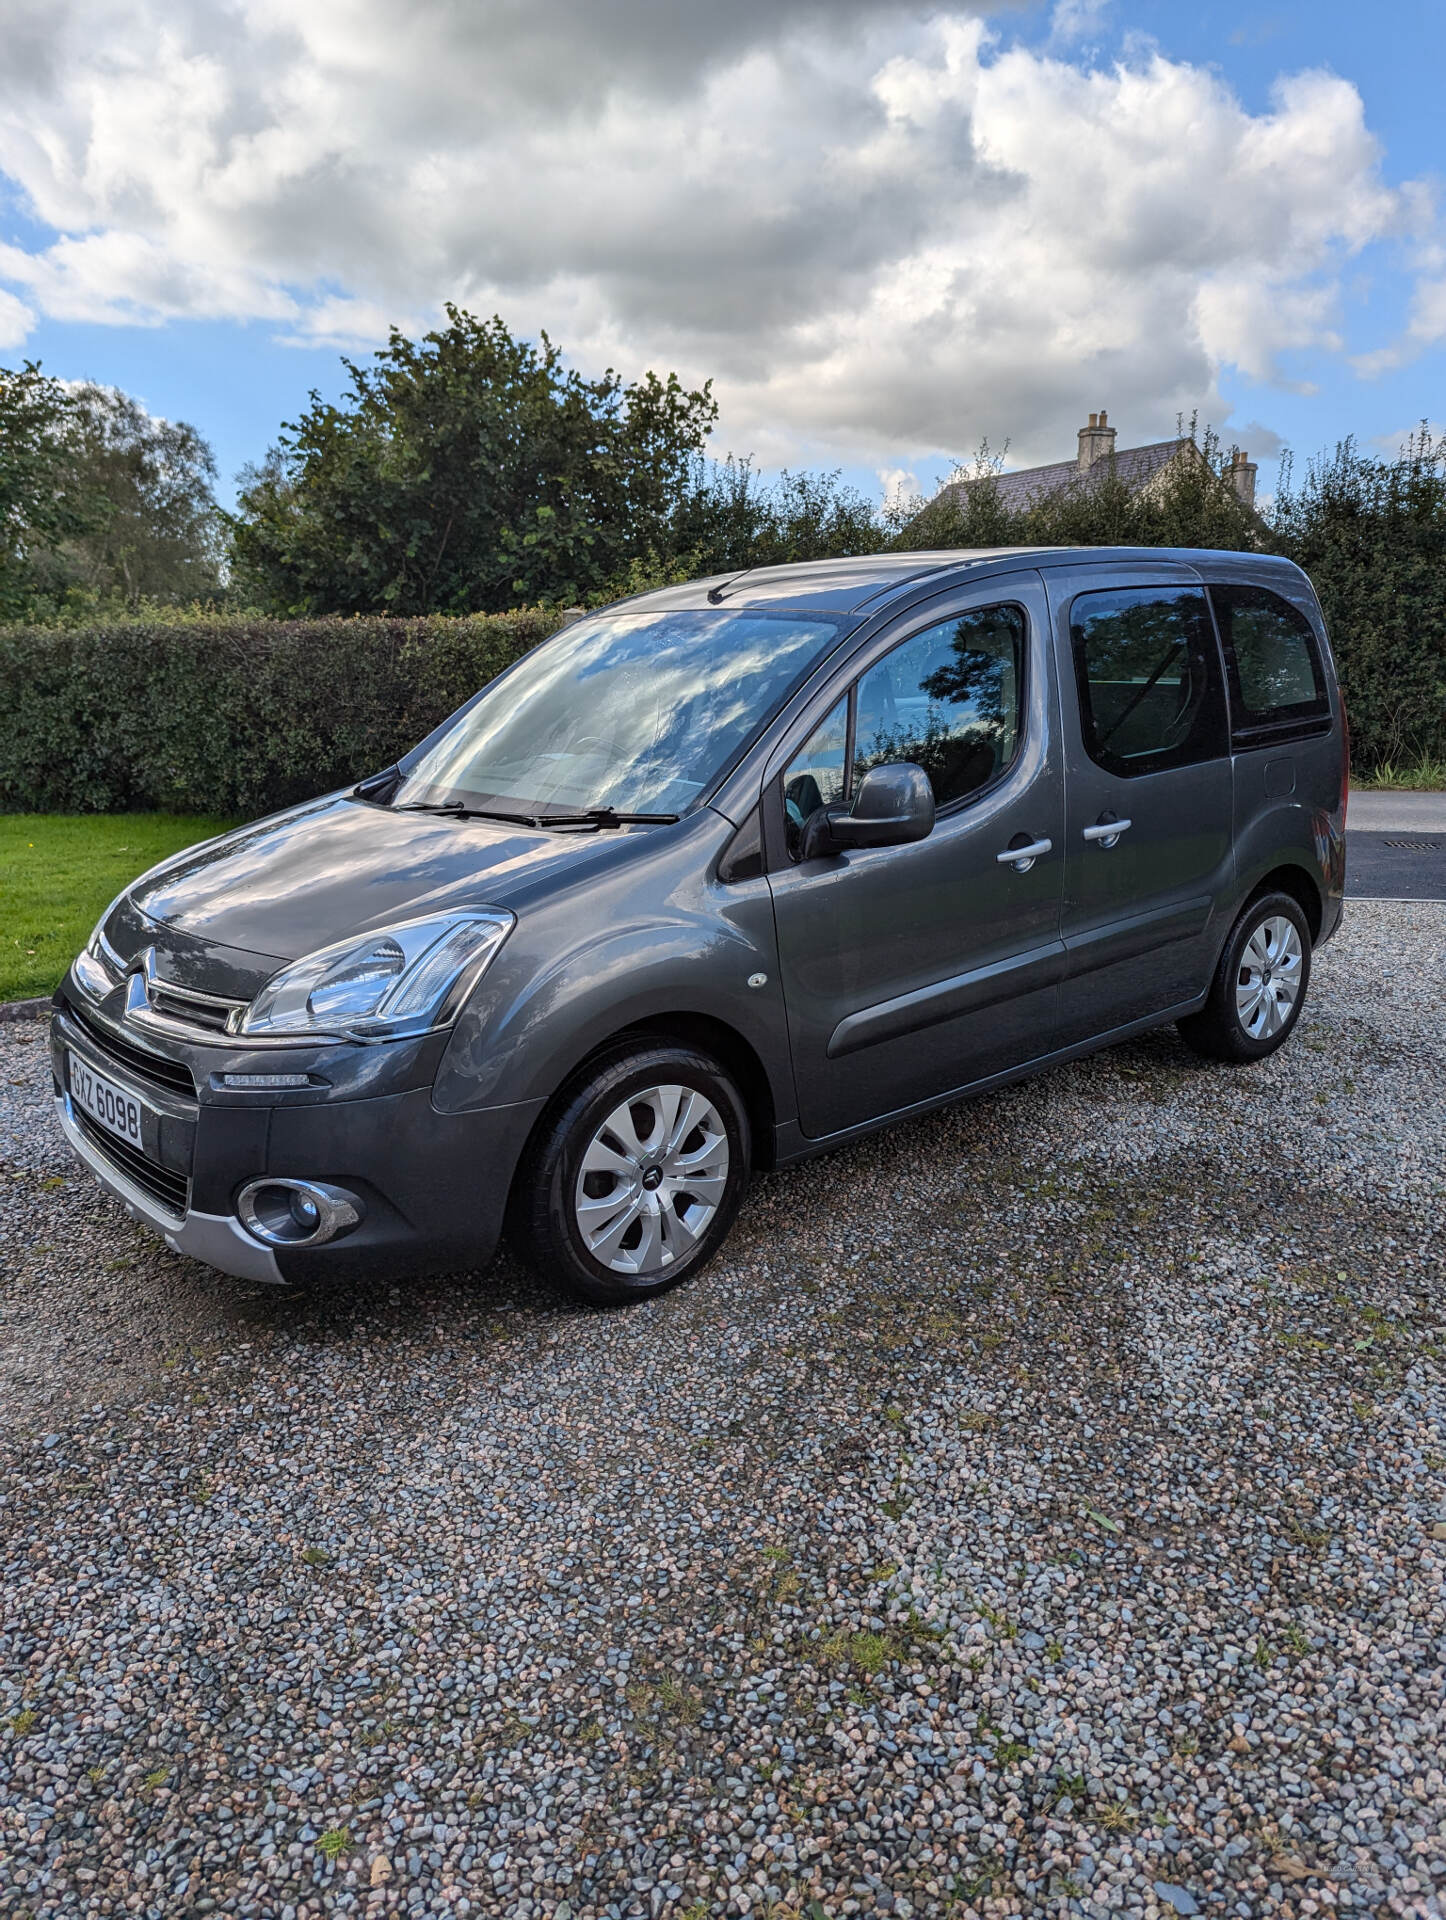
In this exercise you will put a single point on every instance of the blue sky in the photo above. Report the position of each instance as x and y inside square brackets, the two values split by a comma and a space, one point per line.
[875, 228]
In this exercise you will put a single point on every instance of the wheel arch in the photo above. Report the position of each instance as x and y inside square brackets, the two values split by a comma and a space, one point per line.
[1302, 888]
[705, 1032]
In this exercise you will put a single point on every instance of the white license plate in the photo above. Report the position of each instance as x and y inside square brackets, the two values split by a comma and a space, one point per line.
[107, 1104]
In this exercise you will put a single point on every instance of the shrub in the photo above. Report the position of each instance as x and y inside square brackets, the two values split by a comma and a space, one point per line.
[231, 715]
[1371, 534]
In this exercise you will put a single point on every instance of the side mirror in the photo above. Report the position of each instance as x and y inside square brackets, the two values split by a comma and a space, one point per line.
[892, 806]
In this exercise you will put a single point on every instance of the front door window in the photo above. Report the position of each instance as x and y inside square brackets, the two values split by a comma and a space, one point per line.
[947, 699]
[817, 776]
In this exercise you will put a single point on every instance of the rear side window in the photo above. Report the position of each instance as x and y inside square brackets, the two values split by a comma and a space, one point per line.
[1148, 671]
[1273, 659]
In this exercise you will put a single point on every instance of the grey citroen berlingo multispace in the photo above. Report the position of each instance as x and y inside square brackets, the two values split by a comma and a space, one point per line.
[719, 878]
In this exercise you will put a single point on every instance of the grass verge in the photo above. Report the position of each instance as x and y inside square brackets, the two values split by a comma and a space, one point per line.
[57, 872]
[1407, 776]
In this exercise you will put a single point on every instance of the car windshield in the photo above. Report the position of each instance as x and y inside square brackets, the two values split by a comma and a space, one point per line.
[628, 712]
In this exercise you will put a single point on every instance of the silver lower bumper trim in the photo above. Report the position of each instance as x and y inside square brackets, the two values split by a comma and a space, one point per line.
[214, 1238]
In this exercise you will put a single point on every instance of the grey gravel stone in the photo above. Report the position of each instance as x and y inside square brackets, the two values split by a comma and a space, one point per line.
[1032, 1513]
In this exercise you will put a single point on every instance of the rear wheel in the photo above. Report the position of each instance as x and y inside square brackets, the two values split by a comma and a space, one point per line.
[634, 1182]
[1259, 986]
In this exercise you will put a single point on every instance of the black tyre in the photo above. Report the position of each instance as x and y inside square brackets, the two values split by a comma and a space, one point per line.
[1259, 987]
[636, 1175]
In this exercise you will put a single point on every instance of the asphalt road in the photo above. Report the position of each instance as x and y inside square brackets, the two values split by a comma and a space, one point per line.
[1395, 866]
[1396, 846]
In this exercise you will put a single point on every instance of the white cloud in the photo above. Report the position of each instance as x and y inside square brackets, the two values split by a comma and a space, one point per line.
[886, 235]
[898, 482]
[1393, 444]
[16, 320]
[1074, 20]
[1425, 321]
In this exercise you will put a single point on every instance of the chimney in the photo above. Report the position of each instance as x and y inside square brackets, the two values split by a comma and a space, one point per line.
[1096, 441]
[1241, 475]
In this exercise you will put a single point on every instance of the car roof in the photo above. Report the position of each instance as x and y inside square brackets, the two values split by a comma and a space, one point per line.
[865, 581]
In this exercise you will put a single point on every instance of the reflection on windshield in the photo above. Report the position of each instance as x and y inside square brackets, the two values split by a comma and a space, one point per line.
[638, 712]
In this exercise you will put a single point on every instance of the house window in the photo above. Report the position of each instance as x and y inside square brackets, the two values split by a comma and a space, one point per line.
[1273, 659]
[1148, 672]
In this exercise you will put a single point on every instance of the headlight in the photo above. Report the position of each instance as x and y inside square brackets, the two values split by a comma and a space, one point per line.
[399, 980]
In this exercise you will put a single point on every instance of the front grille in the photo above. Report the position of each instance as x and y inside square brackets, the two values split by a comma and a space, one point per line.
[196, 1013]
[172, 1190]
[145, 1066]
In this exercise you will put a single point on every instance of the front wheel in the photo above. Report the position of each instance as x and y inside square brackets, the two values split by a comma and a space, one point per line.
[636, 1177]
[1259, 986]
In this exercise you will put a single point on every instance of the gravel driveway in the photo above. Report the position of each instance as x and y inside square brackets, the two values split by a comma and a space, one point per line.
[1042, 1510]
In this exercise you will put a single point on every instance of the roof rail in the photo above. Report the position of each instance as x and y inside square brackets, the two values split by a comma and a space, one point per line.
[903, 580]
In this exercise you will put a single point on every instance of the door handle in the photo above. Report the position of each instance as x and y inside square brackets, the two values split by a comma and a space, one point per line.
[1023, 858]
[1106, 833]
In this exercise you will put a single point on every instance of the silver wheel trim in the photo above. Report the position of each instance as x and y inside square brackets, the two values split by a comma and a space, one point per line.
[652, 1178]
[1267, 986]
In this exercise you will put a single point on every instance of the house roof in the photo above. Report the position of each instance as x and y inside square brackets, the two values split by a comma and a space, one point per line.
[1136, 466]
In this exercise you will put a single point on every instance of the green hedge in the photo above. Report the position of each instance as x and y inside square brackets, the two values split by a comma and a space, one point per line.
[231, 715]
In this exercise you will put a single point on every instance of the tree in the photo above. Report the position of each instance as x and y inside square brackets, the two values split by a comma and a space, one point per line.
[725, 519]
[101, 505]
[42, 504]
[466, 472]
[156, 532]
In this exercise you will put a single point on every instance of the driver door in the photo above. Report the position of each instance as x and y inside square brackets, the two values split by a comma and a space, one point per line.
[910, 971]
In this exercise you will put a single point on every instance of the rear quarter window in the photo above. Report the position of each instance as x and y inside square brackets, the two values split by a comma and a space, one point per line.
[1272, 661]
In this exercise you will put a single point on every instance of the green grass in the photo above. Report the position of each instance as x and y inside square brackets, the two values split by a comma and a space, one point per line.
[58, 871]
[1411, 776]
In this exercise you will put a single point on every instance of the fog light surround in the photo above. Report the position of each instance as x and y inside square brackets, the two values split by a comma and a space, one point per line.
[297, 1213]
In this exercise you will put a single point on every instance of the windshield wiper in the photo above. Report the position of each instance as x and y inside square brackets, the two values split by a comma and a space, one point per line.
[454, 810]
[594, 817]
[607, 817]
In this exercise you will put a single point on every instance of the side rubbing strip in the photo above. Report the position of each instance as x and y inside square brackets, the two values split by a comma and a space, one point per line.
[1119, 940]
[964, 993]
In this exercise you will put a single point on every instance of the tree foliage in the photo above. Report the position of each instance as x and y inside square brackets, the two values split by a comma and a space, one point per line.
[469, 471]
[1371, 533]
[156, 532]
[472, 472]
[42, 505]
[102, 506]
[726, 518]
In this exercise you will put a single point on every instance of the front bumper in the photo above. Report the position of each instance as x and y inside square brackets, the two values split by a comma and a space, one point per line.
[215, 1239]
[434, 1186]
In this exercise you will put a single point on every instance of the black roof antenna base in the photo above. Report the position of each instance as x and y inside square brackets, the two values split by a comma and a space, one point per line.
[715, 594]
